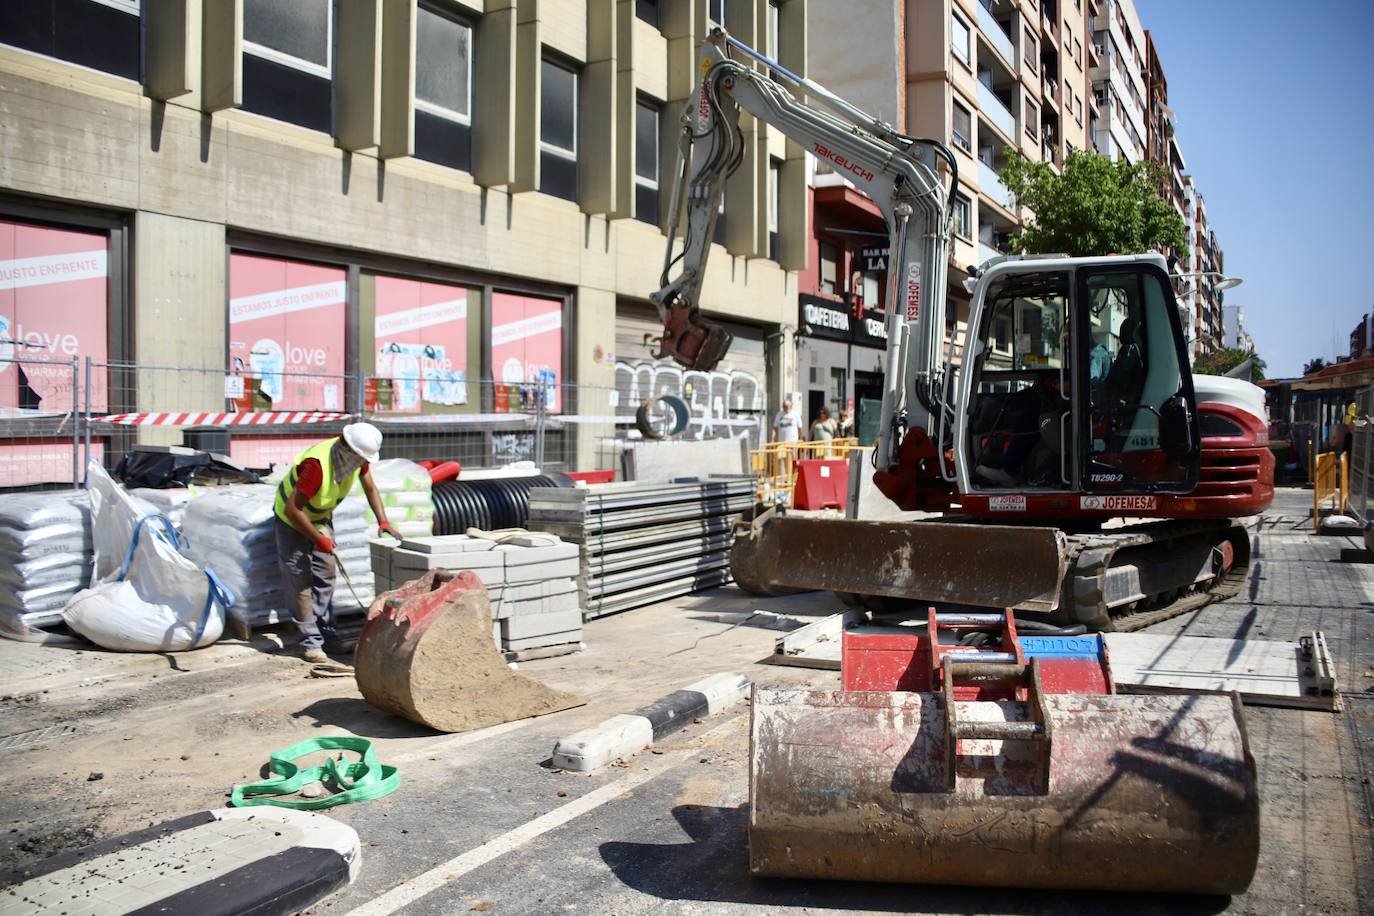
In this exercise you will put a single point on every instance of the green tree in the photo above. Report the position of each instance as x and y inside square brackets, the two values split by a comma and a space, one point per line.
[1220, 362]
[1316, 364]
[1097, 206]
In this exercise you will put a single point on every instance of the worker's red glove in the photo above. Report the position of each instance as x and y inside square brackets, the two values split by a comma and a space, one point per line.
[324, 544]
[388, 528]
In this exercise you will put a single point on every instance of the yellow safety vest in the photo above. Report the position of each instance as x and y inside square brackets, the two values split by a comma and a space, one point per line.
[320, 507]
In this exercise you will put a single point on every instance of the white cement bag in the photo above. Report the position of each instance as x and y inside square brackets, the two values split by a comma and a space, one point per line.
[159, 601]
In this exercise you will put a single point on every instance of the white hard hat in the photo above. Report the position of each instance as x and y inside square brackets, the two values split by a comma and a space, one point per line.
[365, 439]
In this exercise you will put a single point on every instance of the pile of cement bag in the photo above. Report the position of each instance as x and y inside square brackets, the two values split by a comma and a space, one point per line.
[148, 597]
[170, 502]
[407, 494]
[45, 558]
[230, 530]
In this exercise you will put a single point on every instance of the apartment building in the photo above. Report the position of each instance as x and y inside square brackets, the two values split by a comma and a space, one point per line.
[1118, 81]
[984, 76]
[253, 186]
[1208, 266]
[1234, 332]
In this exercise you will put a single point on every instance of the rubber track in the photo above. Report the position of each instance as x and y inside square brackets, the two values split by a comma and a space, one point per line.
[1082, 601]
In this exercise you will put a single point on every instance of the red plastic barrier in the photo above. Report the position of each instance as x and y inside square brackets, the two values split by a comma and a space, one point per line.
[449, 470]
[822, 483]
[593, 476]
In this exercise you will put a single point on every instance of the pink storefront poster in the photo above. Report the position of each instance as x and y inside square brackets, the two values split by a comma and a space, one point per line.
[422, 339]
[54, 306]
[286, 332]
[527, 343]
[36, 461]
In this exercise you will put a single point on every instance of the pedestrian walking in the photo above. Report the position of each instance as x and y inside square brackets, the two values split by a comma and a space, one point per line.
[823, 427]
[787, 424]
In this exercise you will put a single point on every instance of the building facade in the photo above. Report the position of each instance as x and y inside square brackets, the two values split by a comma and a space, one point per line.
[985, 77]
[1118, 81]
[1235, 334]
[419, 195]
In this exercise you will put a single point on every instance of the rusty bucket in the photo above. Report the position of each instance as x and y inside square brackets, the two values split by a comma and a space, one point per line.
[1146, 793]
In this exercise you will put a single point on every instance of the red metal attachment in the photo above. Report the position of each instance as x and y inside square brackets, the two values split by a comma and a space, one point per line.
[912, 660]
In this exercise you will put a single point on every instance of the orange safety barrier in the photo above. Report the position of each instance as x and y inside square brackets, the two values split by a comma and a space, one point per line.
[775, 465]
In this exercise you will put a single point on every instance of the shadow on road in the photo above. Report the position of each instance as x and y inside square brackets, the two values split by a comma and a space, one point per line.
[714, 868]
[361, 719]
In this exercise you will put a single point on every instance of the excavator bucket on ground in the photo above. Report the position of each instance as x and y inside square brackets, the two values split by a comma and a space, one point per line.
[986, 777]
[427, 654]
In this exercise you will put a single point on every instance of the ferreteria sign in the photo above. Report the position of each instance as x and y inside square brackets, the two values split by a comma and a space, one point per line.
[828, 320]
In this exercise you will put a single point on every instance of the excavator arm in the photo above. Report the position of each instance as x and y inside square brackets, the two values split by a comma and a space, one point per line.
[900, 174]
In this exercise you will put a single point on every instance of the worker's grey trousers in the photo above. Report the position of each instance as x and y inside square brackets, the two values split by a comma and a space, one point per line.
[309, 575]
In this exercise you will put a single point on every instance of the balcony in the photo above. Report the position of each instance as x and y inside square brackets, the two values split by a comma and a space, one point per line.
[994, 111]
[996, 35]
[986, 252]
[991, 184]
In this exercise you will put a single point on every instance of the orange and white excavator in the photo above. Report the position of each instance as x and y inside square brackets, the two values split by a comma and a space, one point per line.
[1067, 407]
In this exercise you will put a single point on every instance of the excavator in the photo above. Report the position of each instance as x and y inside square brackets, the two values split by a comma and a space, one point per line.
[1067, 470]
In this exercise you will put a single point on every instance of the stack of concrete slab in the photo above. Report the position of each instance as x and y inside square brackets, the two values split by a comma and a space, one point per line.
[643, 541]
[530, 579]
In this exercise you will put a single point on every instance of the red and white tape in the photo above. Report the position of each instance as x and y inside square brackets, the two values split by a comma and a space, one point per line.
[247, 418]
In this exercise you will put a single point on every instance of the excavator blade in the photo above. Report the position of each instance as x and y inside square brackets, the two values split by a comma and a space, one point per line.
[983, 565]
[1146, 793]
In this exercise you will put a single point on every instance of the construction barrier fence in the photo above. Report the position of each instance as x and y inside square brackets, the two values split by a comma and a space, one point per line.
[55, 415]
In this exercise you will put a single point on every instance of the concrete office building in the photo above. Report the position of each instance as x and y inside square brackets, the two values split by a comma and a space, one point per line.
[255, 185]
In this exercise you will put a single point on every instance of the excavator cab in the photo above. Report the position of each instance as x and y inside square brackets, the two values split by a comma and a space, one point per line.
[1076, 381]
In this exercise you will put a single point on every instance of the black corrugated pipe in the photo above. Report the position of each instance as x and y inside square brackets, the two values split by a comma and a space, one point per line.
[489, 504]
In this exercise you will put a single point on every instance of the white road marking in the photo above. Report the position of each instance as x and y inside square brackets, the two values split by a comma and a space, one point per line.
[407, 892]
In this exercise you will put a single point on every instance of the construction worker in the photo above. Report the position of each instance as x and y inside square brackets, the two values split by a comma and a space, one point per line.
[319, 479]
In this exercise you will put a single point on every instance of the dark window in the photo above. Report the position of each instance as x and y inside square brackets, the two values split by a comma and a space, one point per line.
[104, 36]
[716, 12]
[646, 162]
[648, 11]
[1032, 120]
[558, 130]
[963, 128]
[961, 216]
[443, 90]
[287, 61]
[830, 269]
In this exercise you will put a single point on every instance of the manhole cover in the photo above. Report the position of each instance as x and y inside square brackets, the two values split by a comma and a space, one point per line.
[33, 736]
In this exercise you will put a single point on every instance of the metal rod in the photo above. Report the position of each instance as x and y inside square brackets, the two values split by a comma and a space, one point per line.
[999, 731]
[988, 658]
[76, 424]
[992, 672]
[968, 620]
[85, 478]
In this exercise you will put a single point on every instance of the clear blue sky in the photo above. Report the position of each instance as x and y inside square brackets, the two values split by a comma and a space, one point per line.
[1275, 105]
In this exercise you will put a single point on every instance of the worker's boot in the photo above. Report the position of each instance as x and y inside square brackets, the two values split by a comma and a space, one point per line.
[314, 655]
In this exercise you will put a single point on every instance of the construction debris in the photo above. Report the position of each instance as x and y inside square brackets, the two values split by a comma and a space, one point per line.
[426, 654]
[644, 541]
